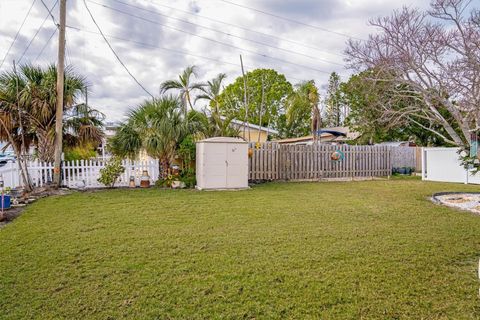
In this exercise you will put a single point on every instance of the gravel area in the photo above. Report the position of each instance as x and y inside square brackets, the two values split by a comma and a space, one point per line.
[462, 201]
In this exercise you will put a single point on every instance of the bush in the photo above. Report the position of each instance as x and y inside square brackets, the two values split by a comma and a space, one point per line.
[188, 178]
[111, 172]
[187, 151]
[165, 182]
[79, 153]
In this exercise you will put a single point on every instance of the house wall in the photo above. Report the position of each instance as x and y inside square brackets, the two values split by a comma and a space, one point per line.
[253, 135]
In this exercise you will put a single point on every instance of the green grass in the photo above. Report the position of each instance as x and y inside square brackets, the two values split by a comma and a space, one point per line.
[350, 250]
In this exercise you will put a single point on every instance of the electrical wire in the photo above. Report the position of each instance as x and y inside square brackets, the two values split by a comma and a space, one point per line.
[178, 52]
[46, 44]
[245, 29]
[227, 33]
[18, 32]
[36, 33]
[68, 53]
[50, 13]
[291, 20]
[210, 39]
[113, 51]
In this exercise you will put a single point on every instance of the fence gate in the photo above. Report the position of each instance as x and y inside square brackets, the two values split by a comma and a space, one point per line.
[271, 161]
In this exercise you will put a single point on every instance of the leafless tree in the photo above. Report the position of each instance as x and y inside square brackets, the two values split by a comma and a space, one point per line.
[435, 57]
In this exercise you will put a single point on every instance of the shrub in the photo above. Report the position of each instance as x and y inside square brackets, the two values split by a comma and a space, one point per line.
[165, 182]
[188, 178]
[79, 153]
[111, 172]
[187, 151]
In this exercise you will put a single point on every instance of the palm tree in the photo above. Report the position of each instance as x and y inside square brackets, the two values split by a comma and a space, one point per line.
[156, 126]
[83, 126]
[211, 125]
[211, 92]
[304, 100]
[28, 99]
[214, 124]
[184, 85]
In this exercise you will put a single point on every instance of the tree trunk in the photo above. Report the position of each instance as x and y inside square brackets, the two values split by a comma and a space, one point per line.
[45, 146]
[21, 163]
[163, 166]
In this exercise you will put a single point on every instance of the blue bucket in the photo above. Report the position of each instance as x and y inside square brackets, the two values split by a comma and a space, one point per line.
[5, 201]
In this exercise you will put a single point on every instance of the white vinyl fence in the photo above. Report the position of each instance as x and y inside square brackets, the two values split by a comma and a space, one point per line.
[443, 164]
[77, 174]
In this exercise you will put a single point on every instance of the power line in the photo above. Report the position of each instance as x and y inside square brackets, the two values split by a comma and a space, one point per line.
[68, 60]
[291, 20]
[18, 32]
[226, 33]
[178, 52]
[67, 50]
[38, 30]
[50, 13]
[210, 39]
[246, 29]
[113, 51]
[46, 44]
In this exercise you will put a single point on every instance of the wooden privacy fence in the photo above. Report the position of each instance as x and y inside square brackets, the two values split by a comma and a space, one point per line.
[272, 161]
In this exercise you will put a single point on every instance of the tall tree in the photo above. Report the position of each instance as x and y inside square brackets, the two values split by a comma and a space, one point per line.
[435, 56]
[266, 83]
[211, 92]
[184, 85]
[213, 124]
[36, 98]
[334, 108]
[368, 99]
[301, 107]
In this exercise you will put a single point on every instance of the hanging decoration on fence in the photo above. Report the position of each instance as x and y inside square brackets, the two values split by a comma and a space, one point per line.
[337, 155]
[469, 157]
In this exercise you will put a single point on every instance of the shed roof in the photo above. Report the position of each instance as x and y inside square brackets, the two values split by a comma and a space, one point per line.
[223, 140]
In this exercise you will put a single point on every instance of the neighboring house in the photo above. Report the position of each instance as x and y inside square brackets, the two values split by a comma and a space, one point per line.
[250, 132]
[397, 144]
[333, 135]
[109, 130]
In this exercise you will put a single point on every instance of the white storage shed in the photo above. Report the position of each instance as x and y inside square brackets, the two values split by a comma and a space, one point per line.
[222, 163]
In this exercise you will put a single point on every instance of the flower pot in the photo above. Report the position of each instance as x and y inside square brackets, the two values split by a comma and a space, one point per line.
[145, 179]
[176, 184]
[5, 201]
[131, 182]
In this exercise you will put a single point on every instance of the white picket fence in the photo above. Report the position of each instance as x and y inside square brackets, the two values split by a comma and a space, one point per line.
[77, 174]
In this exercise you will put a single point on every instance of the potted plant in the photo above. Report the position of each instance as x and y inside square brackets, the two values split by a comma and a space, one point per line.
[5, 201]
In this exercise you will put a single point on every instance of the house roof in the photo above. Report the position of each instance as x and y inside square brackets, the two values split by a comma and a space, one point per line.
[397, 143]
[326, 135]
[240, 123]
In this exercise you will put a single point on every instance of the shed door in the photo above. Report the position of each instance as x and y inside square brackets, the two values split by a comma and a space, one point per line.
[215, 165]
[237, 167]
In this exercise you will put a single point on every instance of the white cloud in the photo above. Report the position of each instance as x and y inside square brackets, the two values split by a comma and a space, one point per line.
[114, 92]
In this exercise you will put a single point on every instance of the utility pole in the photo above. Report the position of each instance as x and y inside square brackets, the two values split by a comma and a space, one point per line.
[60, 87]
[245, 101]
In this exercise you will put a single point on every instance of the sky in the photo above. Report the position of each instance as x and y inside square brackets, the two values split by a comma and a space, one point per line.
[157, 39]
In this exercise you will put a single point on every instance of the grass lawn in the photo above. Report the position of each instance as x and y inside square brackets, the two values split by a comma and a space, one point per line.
[372, 250]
